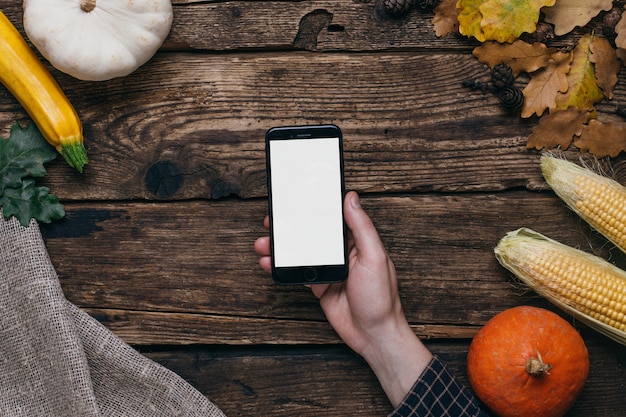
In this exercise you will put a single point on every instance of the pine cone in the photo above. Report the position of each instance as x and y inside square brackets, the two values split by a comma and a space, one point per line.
[502, 76]
[398, 7]
[511, 98]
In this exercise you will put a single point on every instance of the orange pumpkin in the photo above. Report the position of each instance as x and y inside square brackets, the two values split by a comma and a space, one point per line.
[527, 361]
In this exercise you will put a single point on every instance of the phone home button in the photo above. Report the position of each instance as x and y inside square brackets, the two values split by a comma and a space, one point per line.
[310, 274]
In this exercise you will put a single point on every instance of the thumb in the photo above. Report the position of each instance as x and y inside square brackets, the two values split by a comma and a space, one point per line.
[366, 238]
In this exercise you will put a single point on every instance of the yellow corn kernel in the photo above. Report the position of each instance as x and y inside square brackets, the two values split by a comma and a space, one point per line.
[586, 286]
[597, 199]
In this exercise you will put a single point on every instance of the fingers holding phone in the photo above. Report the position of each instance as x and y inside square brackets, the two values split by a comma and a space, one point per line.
[306, 188]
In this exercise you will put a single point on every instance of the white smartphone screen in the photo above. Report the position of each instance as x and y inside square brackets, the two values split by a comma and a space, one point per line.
[307, 201]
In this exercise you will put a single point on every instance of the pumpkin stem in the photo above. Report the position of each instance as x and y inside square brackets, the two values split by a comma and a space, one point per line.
[87, 5]
[536, 366]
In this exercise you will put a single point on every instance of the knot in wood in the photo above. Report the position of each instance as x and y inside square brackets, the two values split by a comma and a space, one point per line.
[163, 179]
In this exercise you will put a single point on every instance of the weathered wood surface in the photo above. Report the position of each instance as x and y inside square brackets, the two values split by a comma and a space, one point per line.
[157, 243]
[193, 261]
[332, 381]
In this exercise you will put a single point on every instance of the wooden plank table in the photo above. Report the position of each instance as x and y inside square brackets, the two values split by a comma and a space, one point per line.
[157, 241]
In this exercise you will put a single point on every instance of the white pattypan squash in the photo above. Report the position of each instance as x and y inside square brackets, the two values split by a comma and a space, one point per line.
[97, 40]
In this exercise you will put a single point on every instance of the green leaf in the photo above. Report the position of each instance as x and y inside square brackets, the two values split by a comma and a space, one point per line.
[22, 155]
[29, 201]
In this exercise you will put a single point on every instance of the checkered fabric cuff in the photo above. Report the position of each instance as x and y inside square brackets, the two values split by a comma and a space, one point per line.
[437, 393]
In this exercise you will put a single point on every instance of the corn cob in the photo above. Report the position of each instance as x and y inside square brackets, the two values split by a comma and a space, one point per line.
[597, 199]
[25, 76]
[584, 285]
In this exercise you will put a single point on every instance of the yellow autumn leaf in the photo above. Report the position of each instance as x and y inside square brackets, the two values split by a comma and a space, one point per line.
[541, 91]
[505, 20]
[469, 19]
[499, 20]
[567, 14]
[583, 91]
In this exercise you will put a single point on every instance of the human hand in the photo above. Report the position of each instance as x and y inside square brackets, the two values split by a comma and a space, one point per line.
[365, 310]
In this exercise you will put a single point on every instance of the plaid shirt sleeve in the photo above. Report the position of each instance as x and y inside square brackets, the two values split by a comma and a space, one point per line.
[437, 393]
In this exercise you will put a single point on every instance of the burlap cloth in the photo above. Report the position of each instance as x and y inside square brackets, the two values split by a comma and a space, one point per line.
[55, 360]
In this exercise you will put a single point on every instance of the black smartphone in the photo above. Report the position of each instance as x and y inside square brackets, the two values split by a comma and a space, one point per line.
[305, 183]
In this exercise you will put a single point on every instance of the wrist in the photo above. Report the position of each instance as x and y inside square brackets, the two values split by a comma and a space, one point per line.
[397, 358]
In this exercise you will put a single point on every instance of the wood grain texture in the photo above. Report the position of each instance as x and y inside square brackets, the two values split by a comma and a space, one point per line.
[157, 241]
[207, 117]
[320, 26]
[197, 257]
[332, 381]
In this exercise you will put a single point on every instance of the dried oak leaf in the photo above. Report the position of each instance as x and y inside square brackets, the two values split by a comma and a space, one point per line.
[446, 18]
[602, 139]
[505, 21]
[567, 14]
[557, 129]
[607, 65]
[541, 91]
[519, 55]
[583, 91]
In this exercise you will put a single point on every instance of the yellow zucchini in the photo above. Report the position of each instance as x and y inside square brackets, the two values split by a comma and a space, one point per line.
[25, 76]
